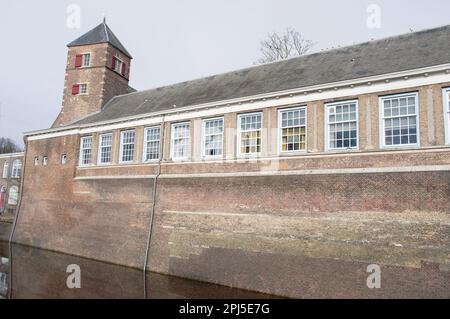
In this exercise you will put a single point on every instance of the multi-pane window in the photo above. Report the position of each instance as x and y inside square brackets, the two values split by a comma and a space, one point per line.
[104, 148]
[5, 169]
[250, 129]
[13, 196]
[213, 137]
[180, 141]
[83, 88]
[293, 129]
[447, 115]
[152, 137]
[399, 120]
[342, 125]
[85, 151]
[86, 59]
[127, 146]
[16, 168]
[117, 65]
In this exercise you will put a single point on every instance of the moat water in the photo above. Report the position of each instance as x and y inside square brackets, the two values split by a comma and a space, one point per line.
[27, 272]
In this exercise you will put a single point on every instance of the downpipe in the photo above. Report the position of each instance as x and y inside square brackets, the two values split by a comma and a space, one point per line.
[152, 212]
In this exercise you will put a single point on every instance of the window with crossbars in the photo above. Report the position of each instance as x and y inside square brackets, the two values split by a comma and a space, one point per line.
[293, 129]
[250, 131]
[152, 137]
[104, 148]
[213, 137]
[180, 141]
[127, 146]
[85, 151]
[342, 125]
[399, 120]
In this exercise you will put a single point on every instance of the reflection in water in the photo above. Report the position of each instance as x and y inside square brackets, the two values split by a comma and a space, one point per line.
[38, 273]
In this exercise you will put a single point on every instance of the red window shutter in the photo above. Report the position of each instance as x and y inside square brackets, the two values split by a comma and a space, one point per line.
[78, 60]
[124, 68]
[113, 65]
[75, 89]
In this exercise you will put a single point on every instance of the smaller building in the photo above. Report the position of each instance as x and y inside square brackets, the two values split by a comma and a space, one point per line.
[10, 177]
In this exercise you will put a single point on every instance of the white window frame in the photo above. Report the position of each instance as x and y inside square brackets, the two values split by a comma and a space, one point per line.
[203, 140]
[122, 133]
[45, 159]
[280, 130]
[172, 142]
[13, 200]
[144, 154]
[327, 107]
[79, 89]
[239, 131]
[381, 123]
[99, 151]
[5, 172]
[446, 108]
[117, 59]
[83, 65]
[16, 169]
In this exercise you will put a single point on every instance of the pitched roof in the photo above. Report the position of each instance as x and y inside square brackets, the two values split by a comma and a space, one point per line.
[100, 34]
[395, 54]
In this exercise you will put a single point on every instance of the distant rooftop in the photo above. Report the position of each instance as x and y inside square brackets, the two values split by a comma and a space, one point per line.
[100, 34]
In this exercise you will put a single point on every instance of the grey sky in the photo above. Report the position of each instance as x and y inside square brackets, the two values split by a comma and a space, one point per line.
[173, 41]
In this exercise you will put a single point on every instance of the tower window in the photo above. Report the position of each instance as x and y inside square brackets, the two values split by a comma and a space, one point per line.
[83, 88]
[80, 89]
[118, 65]
[45, 161]
[86, 59]
[82, 60]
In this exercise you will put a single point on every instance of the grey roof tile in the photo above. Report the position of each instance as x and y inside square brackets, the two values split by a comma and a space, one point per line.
[100, 34]
[400, 53]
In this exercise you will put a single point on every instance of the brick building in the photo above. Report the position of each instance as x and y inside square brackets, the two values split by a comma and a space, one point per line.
[251, 173]
[11, 173]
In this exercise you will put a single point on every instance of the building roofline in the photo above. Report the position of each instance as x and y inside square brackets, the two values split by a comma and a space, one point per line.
[9, 155]
[298, 91]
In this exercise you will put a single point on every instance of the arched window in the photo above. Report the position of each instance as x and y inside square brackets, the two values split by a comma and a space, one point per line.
[13, 195]
[16, 168]
[5, 169]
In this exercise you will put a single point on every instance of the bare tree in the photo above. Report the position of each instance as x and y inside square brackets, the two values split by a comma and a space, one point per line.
[8, 146]
[288, 45]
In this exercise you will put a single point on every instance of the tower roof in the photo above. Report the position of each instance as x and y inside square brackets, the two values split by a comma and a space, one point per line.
[100, 34]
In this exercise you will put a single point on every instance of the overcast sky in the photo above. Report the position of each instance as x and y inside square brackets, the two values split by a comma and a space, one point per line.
[173, 41]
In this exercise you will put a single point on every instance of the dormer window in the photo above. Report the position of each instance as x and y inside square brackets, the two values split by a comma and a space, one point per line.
[82, 60]
[118, 65]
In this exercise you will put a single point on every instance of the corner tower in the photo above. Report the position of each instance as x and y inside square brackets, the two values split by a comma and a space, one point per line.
[98, 68]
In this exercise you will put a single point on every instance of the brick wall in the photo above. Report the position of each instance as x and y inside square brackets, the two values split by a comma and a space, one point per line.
[103, 83]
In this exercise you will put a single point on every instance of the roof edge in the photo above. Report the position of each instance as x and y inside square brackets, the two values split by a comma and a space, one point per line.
[326, 86]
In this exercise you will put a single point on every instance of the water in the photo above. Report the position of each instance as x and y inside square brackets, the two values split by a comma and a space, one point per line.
[27, 272]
